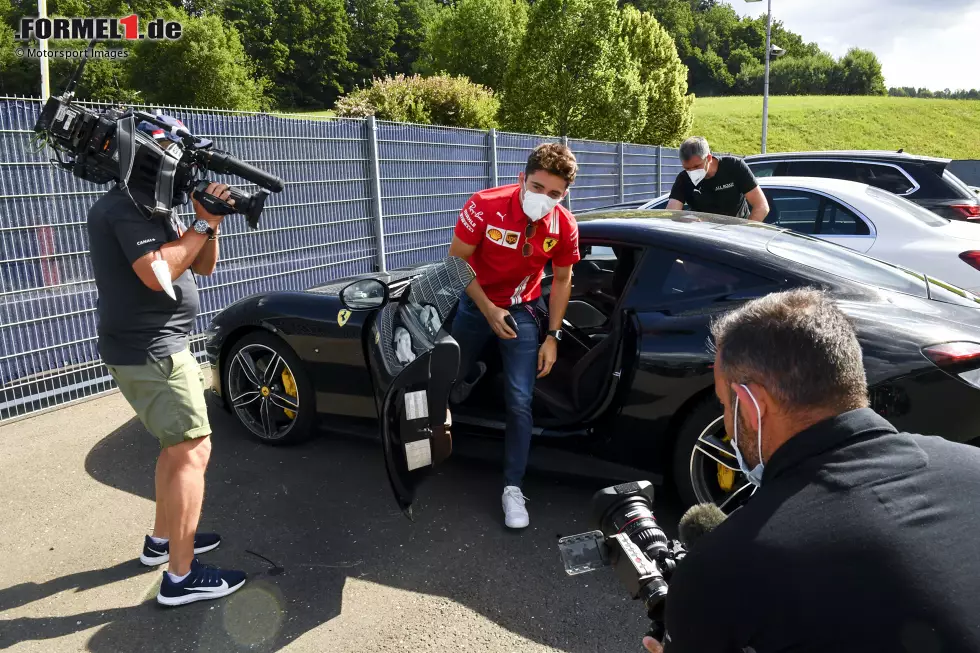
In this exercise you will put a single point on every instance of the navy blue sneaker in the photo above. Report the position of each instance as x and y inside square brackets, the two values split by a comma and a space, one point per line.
[156, 554]
[202, 584]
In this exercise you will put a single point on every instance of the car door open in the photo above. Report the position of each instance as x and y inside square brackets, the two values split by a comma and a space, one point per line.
[414, 363]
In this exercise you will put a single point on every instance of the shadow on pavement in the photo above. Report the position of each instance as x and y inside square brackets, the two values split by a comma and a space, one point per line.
[323, 511]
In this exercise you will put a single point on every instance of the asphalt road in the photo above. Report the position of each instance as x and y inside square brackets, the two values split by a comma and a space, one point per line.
[76, 489]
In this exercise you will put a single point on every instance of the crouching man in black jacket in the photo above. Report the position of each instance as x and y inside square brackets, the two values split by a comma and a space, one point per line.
[859, 538]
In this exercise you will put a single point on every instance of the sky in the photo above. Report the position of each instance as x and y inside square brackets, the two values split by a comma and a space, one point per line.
[922, 43]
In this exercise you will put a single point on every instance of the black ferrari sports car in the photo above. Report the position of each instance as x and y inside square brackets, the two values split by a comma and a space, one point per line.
[632, 392]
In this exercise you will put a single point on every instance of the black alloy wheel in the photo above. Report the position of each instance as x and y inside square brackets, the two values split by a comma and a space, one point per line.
[268, 390]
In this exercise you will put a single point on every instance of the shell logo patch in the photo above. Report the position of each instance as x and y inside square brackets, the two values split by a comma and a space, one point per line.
[549, 243]
[495, 234]
[342, 317]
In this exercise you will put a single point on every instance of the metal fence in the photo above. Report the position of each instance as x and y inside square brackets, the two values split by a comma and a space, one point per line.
[361, 195]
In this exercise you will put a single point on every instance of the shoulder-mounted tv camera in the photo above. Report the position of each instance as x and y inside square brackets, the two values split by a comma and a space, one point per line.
[109, 145]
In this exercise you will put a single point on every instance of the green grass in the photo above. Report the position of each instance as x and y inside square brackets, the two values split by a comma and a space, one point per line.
[314, 115]
[946, 128]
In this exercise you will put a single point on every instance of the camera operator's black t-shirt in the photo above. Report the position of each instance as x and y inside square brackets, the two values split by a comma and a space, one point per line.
[723, 194]
[136, 323]
[861, 539]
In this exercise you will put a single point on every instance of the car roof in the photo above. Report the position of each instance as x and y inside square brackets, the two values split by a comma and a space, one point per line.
[825, 184]
[848, 154]
[679, 229]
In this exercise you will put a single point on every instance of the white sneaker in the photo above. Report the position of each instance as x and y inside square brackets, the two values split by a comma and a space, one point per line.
[515, 514]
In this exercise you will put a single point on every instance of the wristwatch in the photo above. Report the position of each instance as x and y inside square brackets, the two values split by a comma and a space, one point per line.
[202, 227]
[556, 334]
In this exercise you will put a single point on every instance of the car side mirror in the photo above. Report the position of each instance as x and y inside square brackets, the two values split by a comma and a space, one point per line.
[364, 295]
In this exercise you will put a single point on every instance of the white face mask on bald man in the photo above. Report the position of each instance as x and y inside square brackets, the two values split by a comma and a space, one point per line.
[754, 475]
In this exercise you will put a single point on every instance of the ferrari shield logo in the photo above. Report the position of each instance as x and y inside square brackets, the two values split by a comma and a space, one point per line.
[549, 244]
[342, 317]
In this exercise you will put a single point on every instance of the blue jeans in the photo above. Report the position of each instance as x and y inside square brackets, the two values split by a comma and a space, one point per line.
[520, 360]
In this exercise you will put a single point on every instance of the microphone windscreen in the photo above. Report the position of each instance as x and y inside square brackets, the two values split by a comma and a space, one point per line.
[698, 521]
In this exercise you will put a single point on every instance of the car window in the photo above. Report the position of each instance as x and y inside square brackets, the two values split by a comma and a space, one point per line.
[841, 262]
[838, 220]
[763, 169]
[846, 170]
[687, 276]
[911, 209]
[885, 177]
[602, 275]
[794, 210]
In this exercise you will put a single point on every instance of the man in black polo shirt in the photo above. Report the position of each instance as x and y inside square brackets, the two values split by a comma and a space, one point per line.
[144, 265]
[859, 538]
[716, 184]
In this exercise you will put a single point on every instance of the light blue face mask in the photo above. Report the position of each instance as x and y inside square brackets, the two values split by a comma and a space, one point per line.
[755, 474]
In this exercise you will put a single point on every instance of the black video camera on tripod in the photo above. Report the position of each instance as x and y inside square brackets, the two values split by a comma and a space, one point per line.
[104, 146]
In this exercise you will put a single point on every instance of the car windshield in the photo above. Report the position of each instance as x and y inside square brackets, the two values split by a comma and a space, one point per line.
[912, 209]
[842, 262]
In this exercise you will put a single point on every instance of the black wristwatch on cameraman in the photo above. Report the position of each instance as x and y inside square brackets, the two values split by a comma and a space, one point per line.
[202, 227]
[556, 334]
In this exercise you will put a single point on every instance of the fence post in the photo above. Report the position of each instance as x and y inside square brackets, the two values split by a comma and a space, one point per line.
[493, 157]
[622, 172]
[568, 196]
[375, 175]
[660, 176]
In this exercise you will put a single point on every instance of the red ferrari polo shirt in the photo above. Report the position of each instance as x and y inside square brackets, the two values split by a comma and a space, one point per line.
[494, 221]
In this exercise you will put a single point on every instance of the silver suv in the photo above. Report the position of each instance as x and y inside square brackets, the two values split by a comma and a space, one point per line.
[923, 180]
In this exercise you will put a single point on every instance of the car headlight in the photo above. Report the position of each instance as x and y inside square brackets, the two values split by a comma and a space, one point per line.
[211, 332]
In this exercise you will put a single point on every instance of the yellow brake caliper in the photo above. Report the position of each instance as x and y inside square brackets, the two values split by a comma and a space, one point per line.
[289, 385]
[726, 477]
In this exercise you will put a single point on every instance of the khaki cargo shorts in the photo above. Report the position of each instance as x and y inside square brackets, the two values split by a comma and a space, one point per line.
[168, 396]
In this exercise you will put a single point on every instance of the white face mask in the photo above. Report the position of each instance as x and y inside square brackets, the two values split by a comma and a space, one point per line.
[536, 205]
[697, 176]
[754, 475]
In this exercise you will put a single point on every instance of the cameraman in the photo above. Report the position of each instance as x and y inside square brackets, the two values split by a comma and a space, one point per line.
[143, 340]
[859, 538]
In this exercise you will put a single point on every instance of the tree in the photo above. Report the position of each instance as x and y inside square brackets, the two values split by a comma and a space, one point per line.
[373, 30]
[476, 38]
[663, 76]
[300, 45]
[7, 58]
[207, 67]
[811, 75]
[859, 73]
[573, 75]
[415, 18]
[102, 79]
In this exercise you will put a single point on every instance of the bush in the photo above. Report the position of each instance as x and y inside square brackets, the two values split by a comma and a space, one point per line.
[436, 100]
[857, 73]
